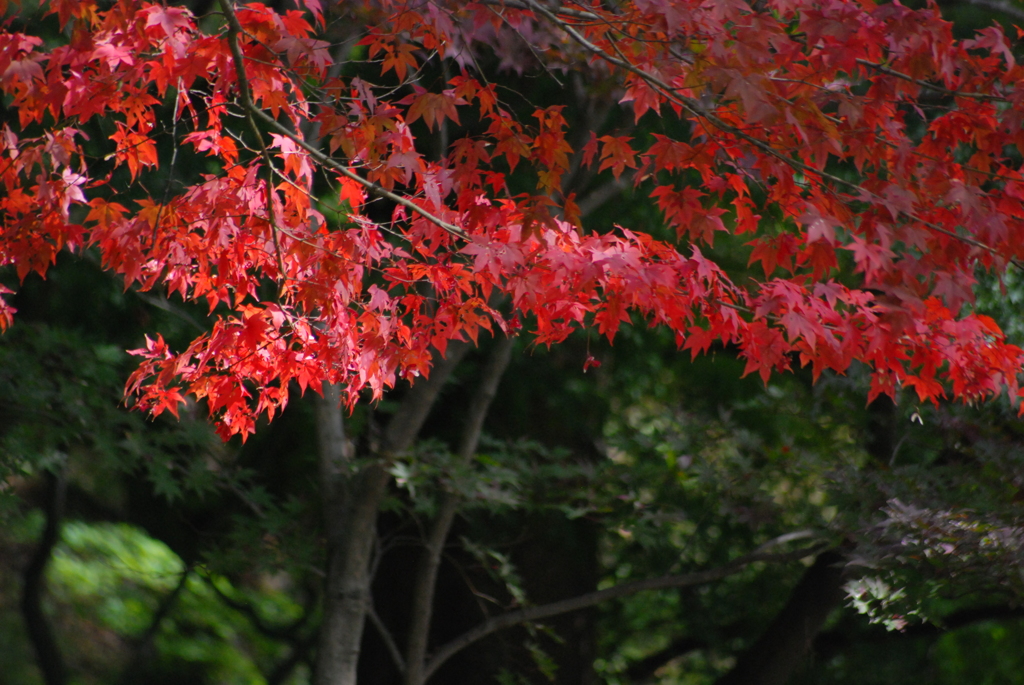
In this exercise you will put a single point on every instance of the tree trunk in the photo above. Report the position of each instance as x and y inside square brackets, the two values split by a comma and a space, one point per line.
[351, 510]
[782, 648]
[40, 634]
[351, 502]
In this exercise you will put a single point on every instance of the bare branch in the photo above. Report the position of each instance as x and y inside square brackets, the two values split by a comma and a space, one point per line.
[163, 303]
[276, 632]
[162, 611]
[426, 575]
[253, 112]
[485, 392]
[389, 641]
[374, 188]
[405, 425]
[593, 200]
[513, 618]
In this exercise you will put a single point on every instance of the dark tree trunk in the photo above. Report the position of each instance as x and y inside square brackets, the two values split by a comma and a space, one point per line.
[351, 504]
[784, 646]
[44, 643]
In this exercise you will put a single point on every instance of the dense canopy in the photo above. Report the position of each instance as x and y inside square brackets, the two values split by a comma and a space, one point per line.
[342, 219]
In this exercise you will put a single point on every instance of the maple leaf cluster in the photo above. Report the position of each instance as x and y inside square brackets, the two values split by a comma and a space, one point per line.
[867, 155]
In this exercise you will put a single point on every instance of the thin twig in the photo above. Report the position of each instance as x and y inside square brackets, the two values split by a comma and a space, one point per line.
[373, 188]
[234, 30]
[386, 636]
[925, 84]
[276, 632]
[515, 4]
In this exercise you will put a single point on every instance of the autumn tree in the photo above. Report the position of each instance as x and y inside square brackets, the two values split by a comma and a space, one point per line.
[352, 223]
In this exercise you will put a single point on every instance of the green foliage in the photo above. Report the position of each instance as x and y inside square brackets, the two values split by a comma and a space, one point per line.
[61, 395]
[107, 583]
[986, 653]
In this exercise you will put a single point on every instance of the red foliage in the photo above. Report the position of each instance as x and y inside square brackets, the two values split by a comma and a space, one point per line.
[797, 106]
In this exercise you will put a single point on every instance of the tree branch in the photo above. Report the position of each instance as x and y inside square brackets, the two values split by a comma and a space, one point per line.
[485, 392]
[234, 31]
[405, 425]
[290, 634]
[164, 608]
[564, 11]
[351, 506]
[430, 561]
[597, 197]
[374, 188]
[283, 632]
[389, 640]
[142, 648]
[592, 598]
[881, 68]
[698, 111]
